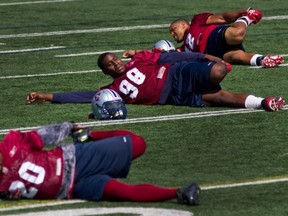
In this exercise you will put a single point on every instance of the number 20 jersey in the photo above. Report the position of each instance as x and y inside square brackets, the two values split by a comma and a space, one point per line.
[143, 81]
[37, 173]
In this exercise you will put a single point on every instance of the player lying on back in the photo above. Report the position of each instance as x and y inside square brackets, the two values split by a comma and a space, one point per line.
[179, 78]
[84, 170]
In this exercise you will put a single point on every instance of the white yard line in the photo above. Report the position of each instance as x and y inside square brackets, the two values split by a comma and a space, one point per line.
[32, 50]
[258, 67]
[48, 74]
[84, 31]
[248, 183]
[122, 28]
[270, 180]
[151, 119]
[88, 53]
[275, 17]
[34, 2]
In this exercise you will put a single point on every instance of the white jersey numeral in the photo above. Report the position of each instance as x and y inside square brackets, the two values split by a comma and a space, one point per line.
[136, 77]
[32, 173]
[32, 191]
[190, 42]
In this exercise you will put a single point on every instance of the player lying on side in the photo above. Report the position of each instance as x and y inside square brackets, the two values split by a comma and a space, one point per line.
[84, 170]
[221, 35]
[179, 78]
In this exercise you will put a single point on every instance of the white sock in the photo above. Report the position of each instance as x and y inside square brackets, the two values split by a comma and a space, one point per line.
[244, 19]
[253, 102]
[254, 60]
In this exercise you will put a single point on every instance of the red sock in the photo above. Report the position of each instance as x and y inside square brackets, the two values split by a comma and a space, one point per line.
[138, 143]
[115, 190]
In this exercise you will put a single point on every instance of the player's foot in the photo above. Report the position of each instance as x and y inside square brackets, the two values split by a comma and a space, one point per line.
[273, 103]
[271, 61]
[254, 15]
[189, 195]
[80, 134]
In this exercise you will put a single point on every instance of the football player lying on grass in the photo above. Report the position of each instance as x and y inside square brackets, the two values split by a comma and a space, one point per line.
[86, 169]
[179, 78]
[221, 35]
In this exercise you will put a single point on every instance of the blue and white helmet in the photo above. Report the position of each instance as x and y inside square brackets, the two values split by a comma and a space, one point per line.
[164, 45]
[108, 104]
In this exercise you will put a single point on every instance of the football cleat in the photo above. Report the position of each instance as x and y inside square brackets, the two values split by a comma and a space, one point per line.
[189, 195]
[273, 103]
[80, 135]
[278, 59]
[271, 61]
[254, 15]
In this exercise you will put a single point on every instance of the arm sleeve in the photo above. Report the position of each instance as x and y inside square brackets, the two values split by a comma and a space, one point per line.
[172, 57]
[73, 97]
[54, 134]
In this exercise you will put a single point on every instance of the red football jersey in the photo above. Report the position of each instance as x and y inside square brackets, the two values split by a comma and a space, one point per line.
[37, 173]
[143, 80]
[195, 39]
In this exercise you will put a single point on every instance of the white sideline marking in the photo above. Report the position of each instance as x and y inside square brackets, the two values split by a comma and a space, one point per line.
[150, 119]
[222, 186]
[89, 53]
[32, 50]
[123, 28]
[34, 2]
[257, 67]
[53, 203]
[275, 17]
[85, 71]
[251, 183]
[48, 74]
[141, 211]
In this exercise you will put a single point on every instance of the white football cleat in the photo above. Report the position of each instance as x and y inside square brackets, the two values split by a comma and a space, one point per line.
[273, 103]
[271, 61]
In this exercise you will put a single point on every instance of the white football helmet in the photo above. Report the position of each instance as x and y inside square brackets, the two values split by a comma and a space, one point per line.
[164, 45]
[108, 104]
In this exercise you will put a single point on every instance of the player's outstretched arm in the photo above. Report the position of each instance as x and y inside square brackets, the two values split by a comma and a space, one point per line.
[35, 96]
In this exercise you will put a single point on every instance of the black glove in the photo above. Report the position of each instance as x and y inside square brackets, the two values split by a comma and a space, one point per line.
[80, 135]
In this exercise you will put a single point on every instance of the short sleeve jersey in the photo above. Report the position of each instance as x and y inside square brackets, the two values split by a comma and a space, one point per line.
[37, 173]
[195, 39]
[143, 81]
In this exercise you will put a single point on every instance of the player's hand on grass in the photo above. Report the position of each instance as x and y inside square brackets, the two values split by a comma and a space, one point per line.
[34, 97]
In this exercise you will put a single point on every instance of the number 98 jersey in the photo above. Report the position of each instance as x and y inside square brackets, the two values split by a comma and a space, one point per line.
[27, 168]
[143, 81]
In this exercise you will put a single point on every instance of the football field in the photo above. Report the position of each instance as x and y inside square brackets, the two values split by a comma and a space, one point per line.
[238, 156]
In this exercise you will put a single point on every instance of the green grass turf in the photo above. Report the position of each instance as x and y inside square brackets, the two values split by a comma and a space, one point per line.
[210, 150]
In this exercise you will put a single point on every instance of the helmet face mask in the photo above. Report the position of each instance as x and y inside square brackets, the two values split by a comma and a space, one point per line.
[114, 110]
[164, 45]
[107, 104]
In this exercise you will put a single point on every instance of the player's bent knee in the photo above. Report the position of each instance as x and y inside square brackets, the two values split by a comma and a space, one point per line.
[236, 36]
[139, 146]
[220, 70]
